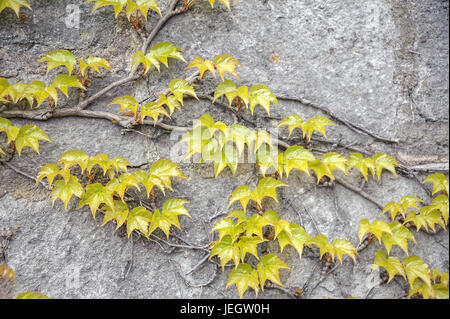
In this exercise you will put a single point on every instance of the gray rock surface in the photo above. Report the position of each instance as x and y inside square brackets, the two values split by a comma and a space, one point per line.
[381, 64]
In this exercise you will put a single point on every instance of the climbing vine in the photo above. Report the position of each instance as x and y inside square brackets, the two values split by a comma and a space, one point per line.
[115, 188]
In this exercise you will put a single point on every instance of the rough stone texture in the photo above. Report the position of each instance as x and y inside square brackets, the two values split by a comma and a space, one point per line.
[382, 64]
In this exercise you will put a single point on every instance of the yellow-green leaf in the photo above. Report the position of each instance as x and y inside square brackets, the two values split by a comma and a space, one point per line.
[58, 58]
[64, 82]
[260, 94]
[392, 265]
[226, 250]
[95, 195]
[244, 276]
[440, 183]
[268, 269]
[138, 219]
[29, 135]
[65, 191]
[225, 63]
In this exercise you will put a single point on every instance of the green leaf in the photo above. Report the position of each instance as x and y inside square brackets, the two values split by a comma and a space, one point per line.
[240, 215]
[317, 123]
[243, 194]
[440, 183]
[102, 160]
[179, 87]
[225, 63]
[297, 157]
[95, 195]
[432, 217]
[169, 216]
[171, 102]
[117, 5]
[31, 295]
[65, 191]
[268, 269]
[119, 213]
[344, 247]
[409, 202]
[138, 219]
[399, 236]
[153, 110]
[149, 181]
[266, 187]
[377, 228]
[395, 209]
[64, 82]
[36, 90]
[49, 171]
[14, 5]
[415, 268]
[292, 122]
[58, 58]
[244, 276]
[126, 102]
[143, 6]
[362, 164]
[29, 135]
[320, 169]
[324, 245]
[202, 66]
[74, 157]
[164, 170]
[121, 184]
[146, 59]
[295, 236]
[164, 50]
[93, 63]
[228, 157]
[440, 203]
[227, 227]
[255, 226]
[392, 265]
[226, 250]
[384, 161]
[260, 94]
[119, 164]
[335, 161]
[249, 244]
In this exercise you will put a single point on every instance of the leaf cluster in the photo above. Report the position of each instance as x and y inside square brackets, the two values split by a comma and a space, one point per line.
[132, 6]
[25, 136]
[422, 281]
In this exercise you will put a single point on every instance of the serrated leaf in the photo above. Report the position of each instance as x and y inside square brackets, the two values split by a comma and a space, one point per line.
[392, 265]
[164, 170]
[317, 123]
[267, 157]
[409, 202]
[225, 63]
[226, 250]
[260, 94]
[227, 227]
[153, 110]
[344, 247]
[335, 161]
[399, 236]
[102, 160]
[432, 217]
[121, 184]
[377, 228]
[119, 213]
[93, 63]
[149, 181]
[362, 164]
[179, 87]
[292, 122]
[297, 157]
[242, 194]
[441, 204]
[36, 91]
[268, 269]
[228, 157]
[64, 82]
[164, 50]
[16, 91]
[440, 183]
[146, 59]
[119, 164]
[74, 157]
[249, 244]
[320, 169]
[240, 215]
[29, 135]
[49, 171]
[255, 226]
[324, 245]
[266, 188]
[58, 58]
[168, 216]
[384, 161]
[415, 268]
[244, 276]
[138, 219]
[395, 209]
[171, 102]
[126, 102]
[14, 5]
[95, 195]
[117, 5]
[143, 6]
[295, 236]
[65, 191]
[202, 66]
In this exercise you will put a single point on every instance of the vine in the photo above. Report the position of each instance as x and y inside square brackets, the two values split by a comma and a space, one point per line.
[107, 186]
